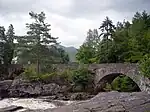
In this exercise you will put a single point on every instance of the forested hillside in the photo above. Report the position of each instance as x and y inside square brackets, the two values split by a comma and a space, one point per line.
[124, 42]
[72, 51]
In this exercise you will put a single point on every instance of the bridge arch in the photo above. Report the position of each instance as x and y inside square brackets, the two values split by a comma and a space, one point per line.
[111, 77]
[107, 72]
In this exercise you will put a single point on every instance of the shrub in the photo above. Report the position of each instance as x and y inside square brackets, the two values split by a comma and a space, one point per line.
[124, 84]
[67, 75]
[82, 77]
[108, 87]
[144, 66]
[31, 75]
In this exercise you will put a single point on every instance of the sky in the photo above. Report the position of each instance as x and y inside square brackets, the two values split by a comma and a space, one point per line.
[70, 19]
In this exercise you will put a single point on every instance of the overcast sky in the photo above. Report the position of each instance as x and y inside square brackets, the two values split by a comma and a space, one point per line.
[69, 19]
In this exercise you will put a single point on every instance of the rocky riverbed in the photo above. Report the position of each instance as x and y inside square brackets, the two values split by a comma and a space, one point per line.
[103, 102]
[23, 96]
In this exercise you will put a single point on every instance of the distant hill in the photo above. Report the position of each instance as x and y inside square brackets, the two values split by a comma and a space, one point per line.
[72, 51]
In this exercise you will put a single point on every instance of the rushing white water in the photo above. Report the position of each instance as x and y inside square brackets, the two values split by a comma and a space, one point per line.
[29, 103]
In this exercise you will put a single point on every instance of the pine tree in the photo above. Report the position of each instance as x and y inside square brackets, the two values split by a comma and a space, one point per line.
[38, 38]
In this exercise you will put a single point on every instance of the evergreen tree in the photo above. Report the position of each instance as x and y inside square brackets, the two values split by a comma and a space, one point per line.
[38, 38]
[88, 51]
[107, 30]
[7, 48]
[7, 44]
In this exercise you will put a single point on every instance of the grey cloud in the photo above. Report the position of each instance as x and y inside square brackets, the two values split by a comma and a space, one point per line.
[82, 8]
[94, 8]
[131, 5]
[24, 6]
[88, 8]
[16, 6]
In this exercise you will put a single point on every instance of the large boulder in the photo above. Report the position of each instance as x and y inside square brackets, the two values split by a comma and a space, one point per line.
[107, 102]
[34, 89]
[80, 96]
[4, 88]
[25, 90]
[50, 89]
[110, 102]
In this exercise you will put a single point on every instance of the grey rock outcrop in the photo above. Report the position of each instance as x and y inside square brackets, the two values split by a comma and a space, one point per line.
[34, 89]
[111, 102]
[22, 88]
[4, 88]
[108, 102]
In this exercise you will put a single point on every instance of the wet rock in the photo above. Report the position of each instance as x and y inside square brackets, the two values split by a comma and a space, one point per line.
[25, 90]
[80, 96]
[22, 88]
[105, 102]
[111, 102]
[4, 88]
[50, 89]
[11, 109]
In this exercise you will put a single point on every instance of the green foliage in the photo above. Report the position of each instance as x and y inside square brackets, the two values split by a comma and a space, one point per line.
[31, 75]
[67, 75]
[107, 29]
[37, 40]
[144, 66]
[82, 77]
[108, 87]
[87, 52]
[124, 84]
[125, 42]
[39, 47]
[7, 45]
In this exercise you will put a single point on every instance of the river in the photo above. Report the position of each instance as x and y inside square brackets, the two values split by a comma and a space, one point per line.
[32, 103]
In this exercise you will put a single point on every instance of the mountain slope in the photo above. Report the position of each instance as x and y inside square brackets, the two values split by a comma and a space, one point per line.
[72, 51]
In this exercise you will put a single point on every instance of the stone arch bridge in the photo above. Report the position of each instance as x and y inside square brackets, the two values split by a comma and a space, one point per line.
[108, 72]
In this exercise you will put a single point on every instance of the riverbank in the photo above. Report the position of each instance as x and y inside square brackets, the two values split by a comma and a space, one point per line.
[103, 102]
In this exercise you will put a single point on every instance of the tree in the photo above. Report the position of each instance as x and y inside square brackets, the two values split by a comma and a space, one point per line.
[64, 57]
[139, 43]
[7, 44]
[144, 65]
[82, 77]
[107, 28]
[88, 51]
[38, 37]
[125, 42]
[85, 54]
[121, 38]
[7, 48]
